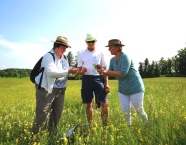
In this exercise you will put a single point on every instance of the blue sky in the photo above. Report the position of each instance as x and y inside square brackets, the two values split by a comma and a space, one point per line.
[149, 28]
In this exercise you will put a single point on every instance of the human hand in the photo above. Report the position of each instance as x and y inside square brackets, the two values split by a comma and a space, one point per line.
[100, 70]
[73, 70]
[97, 66]
[107, 89]
[83, 70]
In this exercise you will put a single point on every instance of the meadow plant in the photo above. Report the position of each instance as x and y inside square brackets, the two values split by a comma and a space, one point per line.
[164, 104]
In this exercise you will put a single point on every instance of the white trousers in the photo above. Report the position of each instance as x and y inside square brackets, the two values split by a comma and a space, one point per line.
[137, 102]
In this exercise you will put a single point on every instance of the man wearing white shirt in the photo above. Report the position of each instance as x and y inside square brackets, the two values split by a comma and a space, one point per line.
[92, 81]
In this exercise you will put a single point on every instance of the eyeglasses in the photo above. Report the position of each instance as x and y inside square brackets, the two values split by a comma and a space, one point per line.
[90, 41]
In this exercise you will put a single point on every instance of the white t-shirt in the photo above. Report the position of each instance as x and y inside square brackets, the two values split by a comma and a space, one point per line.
[88, 58]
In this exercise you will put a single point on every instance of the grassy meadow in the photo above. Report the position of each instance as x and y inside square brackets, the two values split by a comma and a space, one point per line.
[165, 104]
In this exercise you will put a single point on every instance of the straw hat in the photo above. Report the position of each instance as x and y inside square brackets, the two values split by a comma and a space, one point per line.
[62, 40]
[114, 42]
[90, 38]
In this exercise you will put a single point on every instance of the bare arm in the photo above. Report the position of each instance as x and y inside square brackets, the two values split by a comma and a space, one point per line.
[107, 88]
[105, 77]
[109, 73]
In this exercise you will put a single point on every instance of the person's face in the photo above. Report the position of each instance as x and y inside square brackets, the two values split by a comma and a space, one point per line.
[60, 50]
[113, 49]
[91, 44]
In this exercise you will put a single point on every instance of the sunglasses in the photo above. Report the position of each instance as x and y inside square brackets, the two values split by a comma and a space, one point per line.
[90, 41]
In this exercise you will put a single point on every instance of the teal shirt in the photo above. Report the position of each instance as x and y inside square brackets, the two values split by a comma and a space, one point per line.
[130, 81]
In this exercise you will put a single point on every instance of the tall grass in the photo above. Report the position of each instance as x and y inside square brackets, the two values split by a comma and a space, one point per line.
[164, 103]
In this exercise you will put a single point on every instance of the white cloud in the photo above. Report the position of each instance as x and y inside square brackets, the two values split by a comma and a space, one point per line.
[2, 67]
[43, 39]
[149, 29]
[28, 53]
[21, 49]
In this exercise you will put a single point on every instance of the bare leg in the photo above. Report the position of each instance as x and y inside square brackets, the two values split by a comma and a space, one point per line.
[104, 112]
[89, 112]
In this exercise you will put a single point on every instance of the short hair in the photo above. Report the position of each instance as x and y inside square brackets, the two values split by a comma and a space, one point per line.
[116, 45]
[58, 45]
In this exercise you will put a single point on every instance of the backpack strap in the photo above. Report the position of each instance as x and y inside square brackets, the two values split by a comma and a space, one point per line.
[42, 70]
[52, 55]
[65, 57]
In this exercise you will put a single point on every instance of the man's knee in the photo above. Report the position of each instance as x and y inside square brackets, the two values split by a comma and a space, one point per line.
[104, 104]
[89, 105]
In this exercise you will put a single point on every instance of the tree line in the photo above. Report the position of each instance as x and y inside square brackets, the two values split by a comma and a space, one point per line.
[175, 66]
[15, 73]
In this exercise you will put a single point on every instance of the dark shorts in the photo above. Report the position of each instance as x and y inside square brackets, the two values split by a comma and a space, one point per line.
[93, 84]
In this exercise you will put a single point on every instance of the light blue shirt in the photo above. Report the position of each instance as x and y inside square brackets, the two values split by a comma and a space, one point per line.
[61, 82]
[130, 81]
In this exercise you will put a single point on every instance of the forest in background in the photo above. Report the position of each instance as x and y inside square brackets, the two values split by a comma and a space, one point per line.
[172, 67]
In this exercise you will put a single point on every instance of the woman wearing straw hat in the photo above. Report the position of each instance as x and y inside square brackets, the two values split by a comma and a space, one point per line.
[131, 88]
[50, 92]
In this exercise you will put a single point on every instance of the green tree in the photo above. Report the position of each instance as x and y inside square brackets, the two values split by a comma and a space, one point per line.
[150, 72]
[70, 58]
[76, 59]
[141, 69]
[181, 57]
[156, 70]
[15, 72]
[146, 65]
[163, 66]
[169, 66]
[175, 64]
[3, 73]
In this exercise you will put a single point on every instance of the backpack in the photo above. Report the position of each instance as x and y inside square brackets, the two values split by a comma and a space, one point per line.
[37, 70]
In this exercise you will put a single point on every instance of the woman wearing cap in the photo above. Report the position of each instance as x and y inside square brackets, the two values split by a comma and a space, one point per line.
[50, 92]
[131, 88]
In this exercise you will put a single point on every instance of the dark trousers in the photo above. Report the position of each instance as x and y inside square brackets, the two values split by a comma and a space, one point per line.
[49, 109]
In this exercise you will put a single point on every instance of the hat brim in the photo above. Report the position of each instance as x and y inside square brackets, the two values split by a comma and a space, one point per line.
[68, 46]
[115, 44]
[90, 39]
